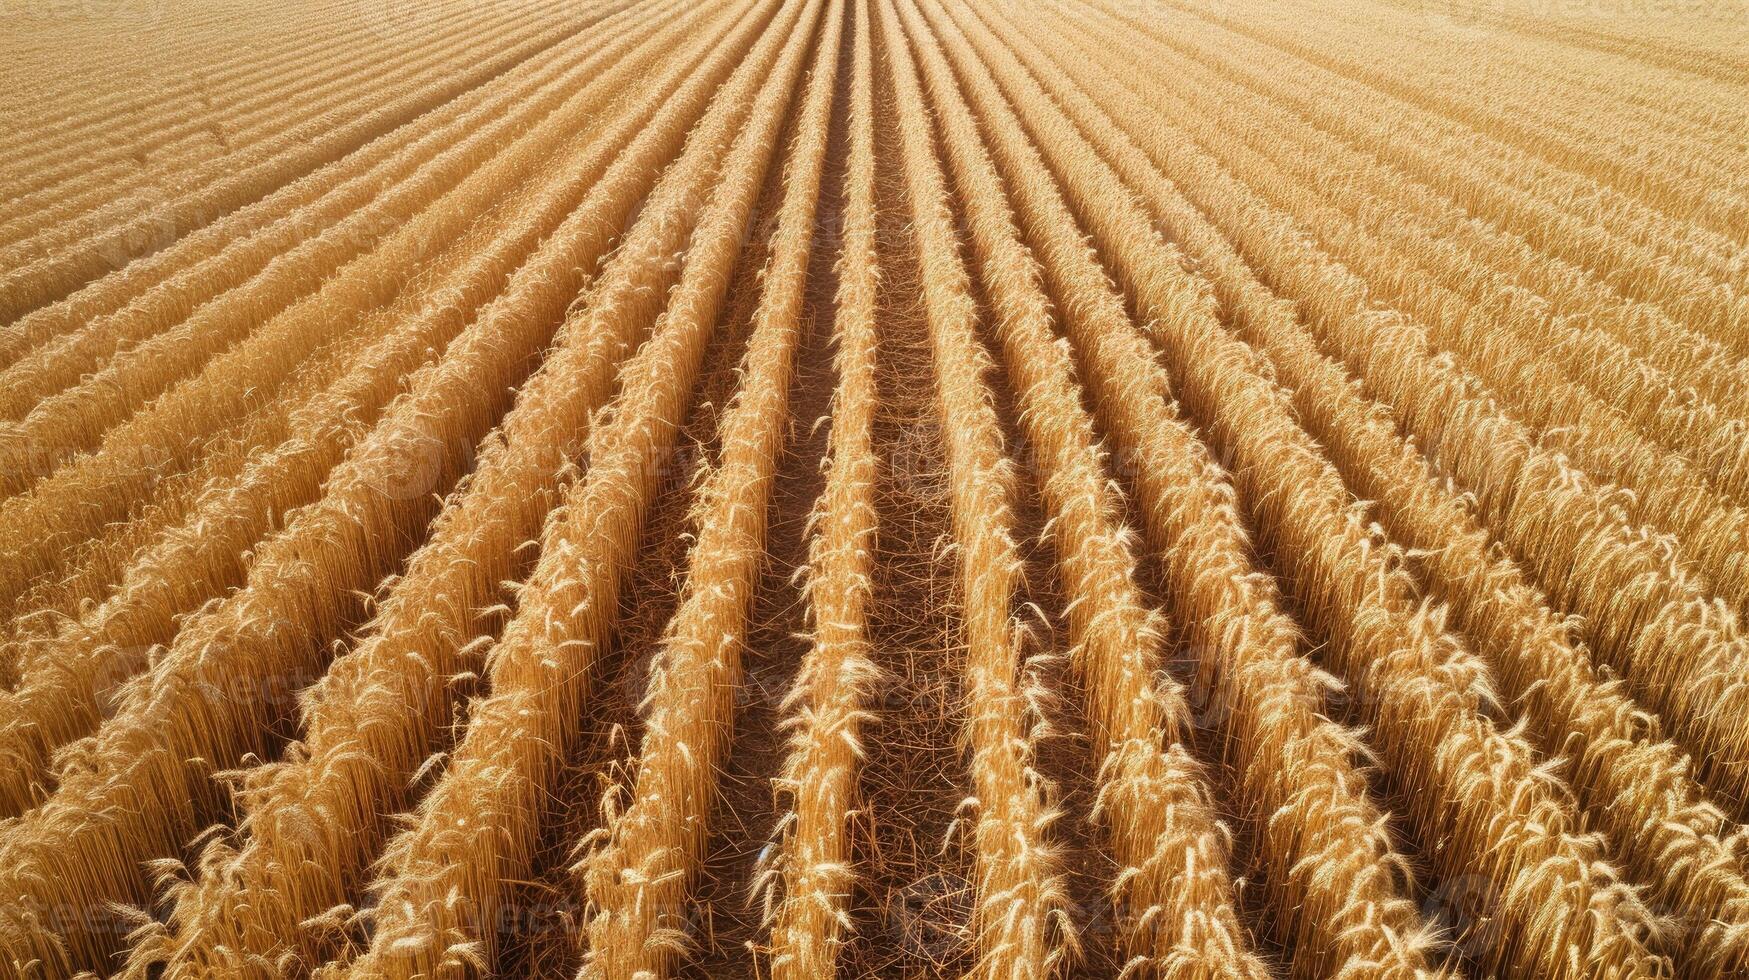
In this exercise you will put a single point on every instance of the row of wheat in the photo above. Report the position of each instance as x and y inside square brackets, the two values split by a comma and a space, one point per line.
[813, 871]
[1667, 344]
[1174, 895]
[1324, 854]
[1569, 113]
[1019, 911]
[409, 656]
[642, 859]
[1704, 819]
[134, 463]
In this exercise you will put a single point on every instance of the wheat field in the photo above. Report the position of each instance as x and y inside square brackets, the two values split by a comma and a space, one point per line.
[627, 489]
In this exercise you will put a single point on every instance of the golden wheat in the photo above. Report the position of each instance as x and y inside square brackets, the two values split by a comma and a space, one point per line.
[74, 668]
[1632, 781]
[184, 156]
[320, 282]
[358, 618]
[1326, 854]
[541, 666]
[1641, 611]
[1019, 913]
[408, 654]
[41, 163]
[161, 289]
[1679, 197]
[1485, 264]
[640, 862]
[812, 869]
[86, 494]
[1175, 894]
[1670, 491]
[1417, 685]
[203, 557]
[1606, 235]
[1551, 211]
[97, 565]
[238, 665]
[62, 271]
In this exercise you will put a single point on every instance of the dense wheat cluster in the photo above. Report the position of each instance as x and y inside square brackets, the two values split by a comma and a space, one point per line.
[624, 489]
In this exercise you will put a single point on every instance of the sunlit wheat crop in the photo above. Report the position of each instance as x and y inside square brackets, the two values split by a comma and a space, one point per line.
[633, 489]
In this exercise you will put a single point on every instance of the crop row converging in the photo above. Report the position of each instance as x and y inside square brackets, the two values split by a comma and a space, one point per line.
[886, 488]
